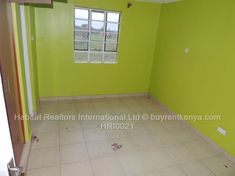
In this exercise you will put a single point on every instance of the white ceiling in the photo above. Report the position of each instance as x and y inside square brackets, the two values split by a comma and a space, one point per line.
[159, 1]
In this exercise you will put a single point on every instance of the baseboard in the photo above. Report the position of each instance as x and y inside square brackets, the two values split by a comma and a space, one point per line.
[198, 133]
[91, 97]
[209, 141]
[25, 156]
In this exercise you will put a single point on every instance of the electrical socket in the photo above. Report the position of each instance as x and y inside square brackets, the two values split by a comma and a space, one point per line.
[221, 130]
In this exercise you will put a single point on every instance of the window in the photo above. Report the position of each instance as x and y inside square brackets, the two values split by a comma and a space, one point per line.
[96, 36]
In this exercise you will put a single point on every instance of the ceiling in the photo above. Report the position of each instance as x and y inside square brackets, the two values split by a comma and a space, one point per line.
[159, 1]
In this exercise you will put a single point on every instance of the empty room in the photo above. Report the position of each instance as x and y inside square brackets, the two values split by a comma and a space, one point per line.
[117, 87]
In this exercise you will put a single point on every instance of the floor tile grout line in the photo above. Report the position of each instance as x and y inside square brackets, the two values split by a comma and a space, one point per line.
[207, 168]
[60, 150]
[44, 167]
[89, 159]
[26, 169]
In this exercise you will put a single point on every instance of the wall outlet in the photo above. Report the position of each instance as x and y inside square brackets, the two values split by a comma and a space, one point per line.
[221, 130]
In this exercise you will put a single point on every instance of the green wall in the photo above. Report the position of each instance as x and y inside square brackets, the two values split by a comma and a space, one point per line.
[59, 76]
[30, 27]
[202, 81]
[20, 67]
[31, 39]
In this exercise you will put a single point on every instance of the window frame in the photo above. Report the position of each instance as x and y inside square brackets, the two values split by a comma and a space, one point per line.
[104, 38]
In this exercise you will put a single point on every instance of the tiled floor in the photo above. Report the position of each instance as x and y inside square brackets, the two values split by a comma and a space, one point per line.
[152, 148]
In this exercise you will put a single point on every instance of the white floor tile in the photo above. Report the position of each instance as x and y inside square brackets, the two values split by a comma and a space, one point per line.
[196, 169]
[107, 167]
[165, 139]
[201, 149]
[40, 158]
[48, 171]
[73, 153]
[135, 163]
[100, 149]
[180, 154]
[152, 148]
[46, 140]
[220, 166]
[94, 135]
[170, 171]
[77, 169]
[159, 159]
[49, 107]
[91, 124]
[128, 145]
[71, 137]
[145, 142]
[173, 125]
[44, 126]
[138, 129]
[154, 127]
[70, 125]
[113, 134]
[185, 135]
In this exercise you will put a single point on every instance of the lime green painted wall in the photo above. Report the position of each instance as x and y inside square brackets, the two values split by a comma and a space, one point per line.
[20, 67]
[30, 27]
[202, 81]
[59, 76]
[31, 38]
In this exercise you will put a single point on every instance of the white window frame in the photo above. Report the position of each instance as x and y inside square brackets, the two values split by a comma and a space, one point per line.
[89, 51]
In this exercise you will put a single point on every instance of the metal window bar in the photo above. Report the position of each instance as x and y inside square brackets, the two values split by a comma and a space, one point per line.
[89, 36]
[104, 35]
